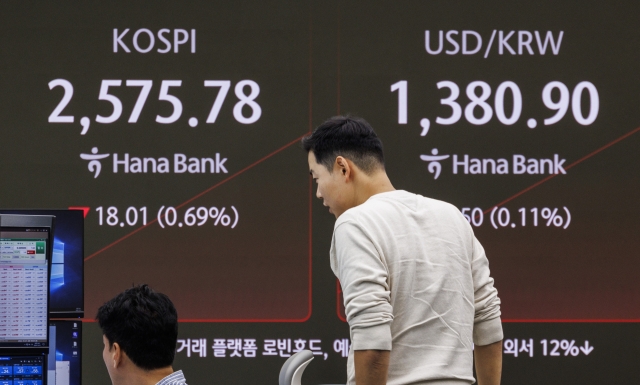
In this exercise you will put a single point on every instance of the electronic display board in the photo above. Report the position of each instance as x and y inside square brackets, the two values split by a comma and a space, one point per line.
[22, 370]
[64, 361]
[176, 126]
[25, 270]
[67, 265]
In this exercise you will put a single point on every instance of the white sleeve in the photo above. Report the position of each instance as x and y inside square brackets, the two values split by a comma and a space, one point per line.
[363, 275]
[487, 327]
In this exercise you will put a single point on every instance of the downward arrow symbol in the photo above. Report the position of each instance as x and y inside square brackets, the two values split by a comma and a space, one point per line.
[85, 210]
[586, 349]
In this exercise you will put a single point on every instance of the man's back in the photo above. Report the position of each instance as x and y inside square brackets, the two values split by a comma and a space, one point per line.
[414, 279]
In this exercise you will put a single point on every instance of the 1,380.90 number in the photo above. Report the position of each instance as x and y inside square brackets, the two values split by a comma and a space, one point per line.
[480, 101]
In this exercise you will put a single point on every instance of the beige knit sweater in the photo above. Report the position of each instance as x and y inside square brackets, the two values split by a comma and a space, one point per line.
[415, 281]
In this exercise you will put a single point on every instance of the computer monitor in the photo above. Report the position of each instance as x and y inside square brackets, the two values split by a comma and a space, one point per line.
[67, 268]
[22, 370]
[25, 260]
[64, 365]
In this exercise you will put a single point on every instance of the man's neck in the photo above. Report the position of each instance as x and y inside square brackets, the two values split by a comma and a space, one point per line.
[138, 376]
[370, 185]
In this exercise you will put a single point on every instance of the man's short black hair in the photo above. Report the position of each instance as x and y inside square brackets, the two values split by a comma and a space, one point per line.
[350, 137]
[145, 325]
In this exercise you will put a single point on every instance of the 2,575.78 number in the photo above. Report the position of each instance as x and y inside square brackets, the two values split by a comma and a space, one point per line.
[164, 95]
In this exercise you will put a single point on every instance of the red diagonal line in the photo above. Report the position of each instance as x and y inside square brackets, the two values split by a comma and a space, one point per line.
[628, 134]
[297, 140]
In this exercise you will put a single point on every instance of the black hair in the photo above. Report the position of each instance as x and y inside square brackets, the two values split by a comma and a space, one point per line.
[346, 136]
[145, 325]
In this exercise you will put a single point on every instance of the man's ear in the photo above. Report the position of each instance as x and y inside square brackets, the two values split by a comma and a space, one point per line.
[116, 355]
[343, 166]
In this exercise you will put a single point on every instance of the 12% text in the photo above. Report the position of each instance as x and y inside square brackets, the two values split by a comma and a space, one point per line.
[550, 348]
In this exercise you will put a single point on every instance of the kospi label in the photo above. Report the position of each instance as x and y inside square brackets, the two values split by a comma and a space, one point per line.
[144, 40]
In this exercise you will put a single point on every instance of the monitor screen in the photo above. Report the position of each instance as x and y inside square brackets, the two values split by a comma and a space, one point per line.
[64, 365]
[25, 256]
[22, 370]
[66, 288]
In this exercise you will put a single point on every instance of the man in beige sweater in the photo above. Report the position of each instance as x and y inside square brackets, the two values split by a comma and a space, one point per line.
[417, 289]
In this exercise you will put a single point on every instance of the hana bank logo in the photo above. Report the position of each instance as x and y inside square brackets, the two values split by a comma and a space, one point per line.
[95, 166]
[434, 165]
[177, 163]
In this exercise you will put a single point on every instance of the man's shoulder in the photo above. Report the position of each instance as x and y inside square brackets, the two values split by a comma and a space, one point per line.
[175, 378]
[396, 201]
[399, 206]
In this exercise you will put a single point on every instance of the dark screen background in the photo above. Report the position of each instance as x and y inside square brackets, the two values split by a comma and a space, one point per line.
[268, 278]
[543, 272]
